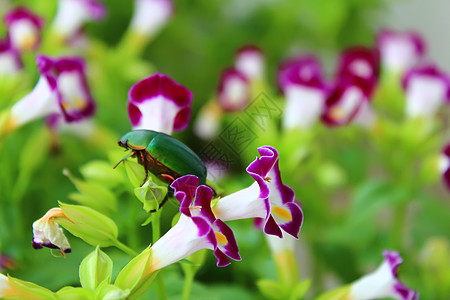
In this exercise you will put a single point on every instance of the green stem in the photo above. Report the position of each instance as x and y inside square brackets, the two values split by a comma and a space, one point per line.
[398, 226]
[125, 248]
[156, 234]
[188, 279]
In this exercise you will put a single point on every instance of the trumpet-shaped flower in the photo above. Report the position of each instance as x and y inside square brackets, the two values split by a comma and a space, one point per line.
[72, 14]
[302, 81]
[196, 229]
[10, 62]
[400, 50]
[267, 198]
[348, 102]
[158, 103]
[150, 16]
[234, 90]
[444, 165]
[24, 29]
[383, 282]
[47, 233]
[61, 89]
[427, 88]
[360, 62]
[250, 62]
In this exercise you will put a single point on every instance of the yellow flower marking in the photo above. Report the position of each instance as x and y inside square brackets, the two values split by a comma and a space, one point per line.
[337, 113]
[282, 213]
[221, 239]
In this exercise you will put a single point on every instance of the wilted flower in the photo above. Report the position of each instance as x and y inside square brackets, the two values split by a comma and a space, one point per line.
[150, 15]
[24, 29]
[250, 62]
[362, 63]
[400, 50]
[10, 62]
[234, 91]
[348, 102]
[196, 229]
[427, 89]
[61, 89]
[302, 81]
[267, 198]
[72, 14]
[158, 103]
[444, 165]
[383, 282]
[47, 233]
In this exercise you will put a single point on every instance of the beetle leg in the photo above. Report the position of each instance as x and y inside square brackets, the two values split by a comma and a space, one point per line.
[144, 162]
[123, 159]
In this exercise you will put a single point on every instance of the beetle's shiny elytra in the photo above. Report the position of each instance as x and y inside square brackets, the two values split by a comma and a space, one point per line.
[162, 155]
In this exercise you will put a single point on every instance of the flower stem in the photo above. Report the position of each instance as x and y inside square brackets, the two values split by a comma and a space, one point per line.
[398, 226]
[188, 279]
[125, 248]
[156, 234]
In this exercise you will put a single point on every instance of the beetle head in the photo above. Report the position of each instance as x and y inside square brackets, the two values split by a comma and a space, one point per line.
[123, 143]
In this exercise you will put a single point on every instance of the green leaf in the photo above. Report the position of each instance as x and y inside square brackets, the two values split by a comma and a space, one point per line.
[135, 172]
[93, 194]
[107, 291]
[271, 289]
[88, 224]
[72, 293]
[337, 294]
[101, 172]
[300, 289]
[95, 268]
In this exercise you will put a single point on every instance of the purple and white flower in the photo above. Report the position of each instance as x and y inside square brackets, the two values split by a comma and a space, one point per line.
[150, 16]
[158, 103]
[301, 80]
[427, 89]
[250, 62]
[383, 283]
[360, 62]
[347, 102]
[268, 198]
[61, 89]
[24, 29]
[400, 50]
[196, 229]
[47, 233]
[234, 91]
[444, 165]
[10, 62]
[71, 15]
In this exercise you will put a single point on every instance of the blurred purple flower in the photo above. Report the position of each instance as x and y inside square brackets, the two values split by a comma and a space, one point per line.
[71, 15]
[444, 165]
[10, 62]
[400, 50]
[24, 29]
[301, 80]
[427, 89]
[61, 89]
[234, 91]
[150, 16]
[383, 283]
[250, 62]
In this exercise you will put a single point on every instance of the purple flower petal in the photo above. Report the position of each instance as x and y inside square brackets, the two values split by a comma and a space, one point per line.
[66, 77]
[10, 61]
[163, 104]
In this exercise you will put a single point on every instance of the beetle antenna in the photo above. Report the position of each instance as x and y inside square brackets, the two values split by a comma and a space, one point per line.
[123, 159]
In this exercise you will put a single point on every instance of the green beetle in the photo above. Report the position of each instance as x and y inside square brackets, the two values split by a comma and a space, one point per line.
[162, 155]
